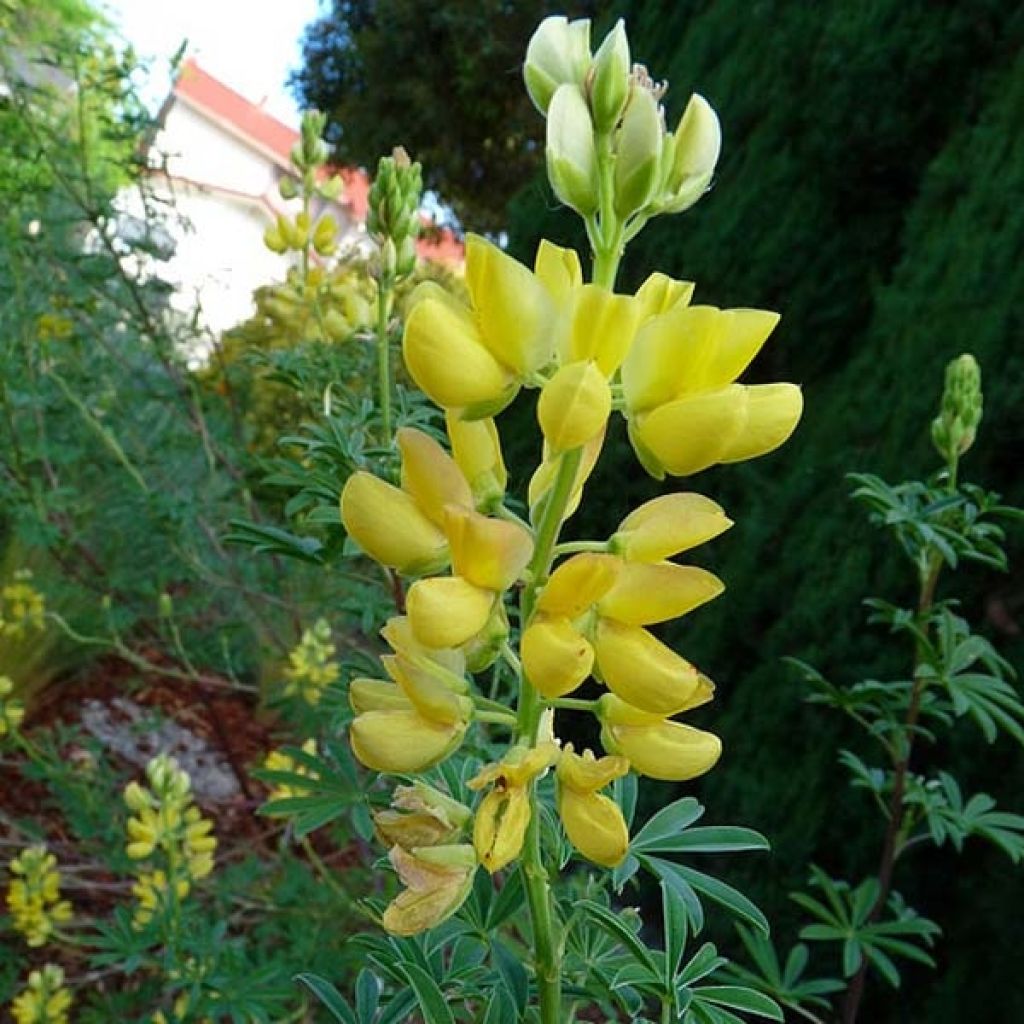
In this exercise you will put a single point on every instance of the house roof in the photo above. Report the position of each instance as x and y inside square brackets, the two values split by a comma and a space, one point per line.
[264, 132]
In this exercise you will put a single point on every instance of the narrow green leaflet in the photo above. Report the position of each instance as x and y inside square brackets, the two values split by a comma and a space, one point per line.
[329, 997]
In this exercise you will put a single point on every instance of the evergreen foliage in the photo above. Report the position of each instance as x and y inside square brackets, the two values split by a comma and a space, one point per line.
[872, 165]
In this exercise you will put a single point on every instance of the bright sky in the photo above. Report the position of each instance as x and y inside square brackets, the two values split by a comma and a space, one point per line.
[250, 45]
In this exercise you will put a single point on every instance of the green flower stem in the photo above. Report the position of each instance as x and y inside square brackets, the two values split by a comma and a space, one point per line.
[572, 547]
[572, 704]
[497, 718]
[547, 941]
[385, 297]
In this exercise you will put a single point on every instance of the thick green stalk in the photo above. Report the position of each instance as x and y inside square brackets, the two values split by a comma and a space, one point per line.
[547, 941]
[384, 299]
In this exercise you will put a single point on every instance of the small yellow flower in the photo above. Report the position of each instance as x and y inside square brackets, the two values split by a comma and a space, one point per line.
[22, 607]
[44, 1000]
[33, 895]
[668, 525]
[593, 822]
[12, 712]
[499, 827]
[476, 449]
[574, 406]
[656, 746]
[310, 667]
[277, 761]
[403, 528]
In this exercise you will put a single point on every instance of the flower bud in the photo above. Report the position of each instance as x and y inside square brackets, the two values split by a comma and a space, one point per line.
[956, 426]
[574, 406]
[638, 152]
[571, 156]
[558, 53]
[608, 80]
[476, 448]
[697, 144]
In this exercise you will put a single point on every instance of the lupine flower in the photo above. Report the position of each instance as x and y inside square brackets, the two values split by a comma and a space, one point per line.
[310, 667]
[22, 607]
[592, 821]
[685, 410]
[278, 761]
[44, 1000]
[437, 880]
[655, 745]
[33, 896]
[666, 526]
[592, 612]
[421, 815]
[488, 556]
[476, 449]
[12, 711]
[403, 528]
[499, 828]
[169, 831]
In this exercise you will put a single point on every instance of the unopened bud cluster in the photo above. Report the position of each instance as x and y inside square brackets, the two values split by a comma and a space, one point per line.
[604, 112]
[394, 214]
[956, 426]
[33, 895]
[22, 607]
[169, 836]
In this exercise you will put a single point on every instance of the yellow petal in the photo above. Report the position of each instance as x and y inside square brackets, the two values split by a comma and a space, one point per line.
[643, 671]
[514, 311]
[595, 826]
[489, 553]
[402, 742]
[430, 475]
[695, 432]
[656, 747]
[644, 594]
[376, 695]
[446, 611]
[602, 327]
[668, 525]
[556, 656]
[390, 527]
[578, 583]
[428, 692]
[558, 270]
[669, 356]
[740, 336]
[499, 828]
[586, 773]
[661, 293]
[397, 631]
[574, 406]
[773, 411]
[476, 448]
[446, 356]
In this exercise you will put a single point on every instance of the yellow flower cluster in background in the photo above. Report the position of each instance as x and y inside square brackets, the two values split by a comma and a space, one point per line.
[22, 607]
[12, 711]
[33, 895]
[311, 668]
[168, 831]
[277, 761]
[44, 1000]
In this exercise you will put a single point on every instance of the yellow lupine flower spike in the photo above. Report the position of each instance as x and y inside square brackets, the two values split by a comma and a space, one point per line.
[593, 822]
[403, 528]
[656, 746]
[33, 896]
[44, 1000]
[499, 827]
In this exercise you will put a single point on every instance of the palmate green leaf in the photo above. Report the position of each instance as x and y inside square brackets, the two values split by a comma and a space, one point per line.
[689, 882]
[329, 997]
